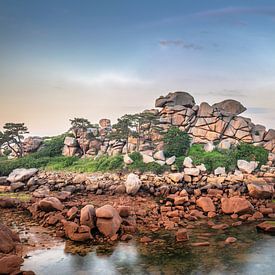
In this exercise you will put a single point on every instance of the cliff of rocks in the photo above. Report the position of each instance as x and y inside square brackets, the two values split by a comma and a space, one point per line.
[220, 123]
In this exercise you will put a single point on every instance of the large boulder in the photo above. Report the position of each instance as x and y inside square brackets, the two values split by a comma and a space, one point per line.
[260, 191]
[77, 233]
[105, 123]
[70, 141]
[132, 184]
[176, 98]
[21, 174]
[50, 204]
[235, 205]
[8, 239]
[10, 264]
[206, 204]
[108, 220]
[247, 166]
[230, 107]
[31, 144]
[192, 171]
[87, 216]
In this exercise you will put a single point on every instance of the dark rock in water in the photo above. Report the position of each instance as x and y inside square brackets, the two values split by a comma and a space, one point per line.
[10, 264]
[230, 107]
[176, 98]
[8, 239]
[267, 226]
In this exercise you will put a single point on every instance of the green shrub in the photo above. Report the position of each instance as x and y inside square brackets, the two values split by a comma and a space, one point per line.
[214, 159]
[136, 156]
[179, 163]
[250, 152]
[176, 142]
[51, 147]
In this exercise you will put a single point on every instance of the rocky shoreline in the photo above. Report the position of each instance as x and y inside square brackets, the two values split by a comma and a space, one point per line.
[102, 208]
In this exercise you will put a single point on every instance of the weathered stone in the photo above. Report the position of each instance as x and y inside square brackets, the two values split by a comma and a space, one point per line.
[77, 233]
[51, 204]
[10, 264]
[205, 110]
[206, 204]
[8, 239]
[87, 216]
[70, 142]
[108, 220]
[260, 191]
[176, 98]
[267, 226]
[171, 160]
[159, 155]
[132, 184]
[17, 186]
[220, 171]
[192, 171]
[235, 205]
[230, 106]
[230, 240]
[105, 123]
[21, 174]
[270, 135]
[176, 177]
[247, 167]
[147, 158]
[188, 162]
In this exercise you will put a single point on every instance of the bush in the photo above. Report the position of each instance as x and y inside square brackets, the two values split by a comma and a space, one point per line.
[179, 163]
[214, 159]
[51, 147]
[176, 142]
[250, 152]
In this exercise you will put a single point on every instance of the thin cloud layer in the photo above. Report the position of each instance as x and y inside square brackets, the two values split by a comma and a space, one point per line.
[180, 44]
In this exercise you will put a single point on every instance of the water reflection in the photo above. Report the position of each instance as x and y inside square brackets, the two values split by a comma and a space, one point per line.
[251, 257]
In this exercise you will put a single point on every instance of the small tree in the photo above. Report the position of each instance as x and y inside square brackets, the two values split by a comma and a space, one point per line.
[176, 142]
[123, 129]
[140, 120]
[81, 124]
[13, 134]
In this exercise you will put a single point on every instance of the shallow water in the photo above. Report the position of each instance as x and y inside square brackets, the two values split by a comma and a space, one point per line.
[252, 254]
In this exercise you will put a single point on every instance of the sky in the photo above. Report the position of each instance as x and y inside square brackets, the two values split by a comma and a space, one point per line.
[102, 59]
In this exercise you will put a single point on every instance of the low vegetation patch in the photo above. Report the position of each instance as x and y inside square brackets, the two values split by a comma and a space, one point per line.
[20, 196]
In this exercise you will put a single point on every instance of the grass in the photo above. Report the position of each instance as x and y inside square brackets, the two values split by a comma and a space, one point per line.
[20, 196]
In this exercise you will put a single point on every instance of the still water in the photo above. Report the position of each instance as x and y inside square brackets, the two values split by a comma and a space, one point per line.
[252, 254]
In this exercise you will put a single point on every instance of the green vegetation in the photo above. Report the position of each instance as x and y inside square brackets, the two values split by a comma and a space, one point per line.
[227, 158]
[250, 152]
[139, 165]
[176, 142]
[49, 153]
[12, 137]
[214, 159]
[20, 196]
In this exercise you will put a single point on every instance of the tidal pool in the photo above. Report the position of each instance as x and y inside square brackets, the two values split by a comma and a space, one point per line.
[253, 253]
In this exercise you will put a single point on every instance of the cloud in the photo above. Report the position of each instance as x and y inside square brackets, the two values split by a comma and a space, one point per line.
[107, 79]
[268, 11]
[180, 44]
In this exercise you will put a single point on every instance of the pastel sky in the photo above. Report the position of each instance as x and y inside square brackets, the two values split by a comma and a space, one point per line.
[95, 59]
